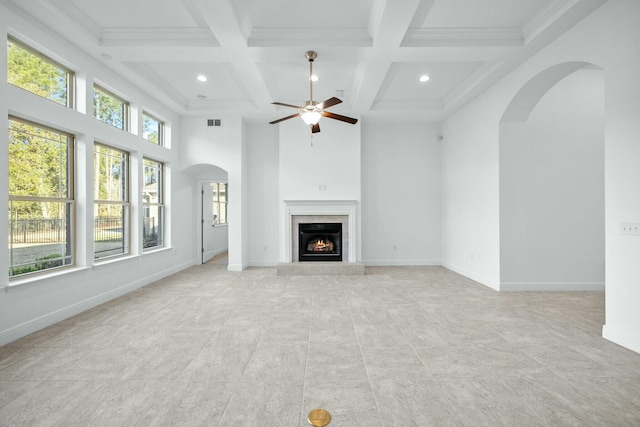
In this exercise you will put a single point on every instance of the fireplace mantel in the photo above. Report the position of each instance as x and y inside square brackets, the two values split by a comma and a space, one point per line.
[318, 208]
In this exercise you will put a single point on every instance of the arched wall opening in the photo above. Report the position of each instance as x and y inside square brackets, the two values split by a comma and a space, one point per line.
[552, 229]
[212, 237]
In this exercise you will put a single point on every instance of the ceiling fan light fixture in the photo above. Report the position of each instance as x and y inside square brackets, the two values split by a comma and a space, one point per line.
[311, 117]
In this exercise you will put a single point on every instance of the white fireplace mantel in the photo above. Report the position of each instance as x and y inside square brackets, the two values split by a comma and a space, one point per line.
[321, 207]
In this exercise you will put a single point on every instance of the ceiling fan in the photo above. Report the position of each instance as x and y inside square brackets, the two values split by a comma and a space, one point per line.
[311, 111]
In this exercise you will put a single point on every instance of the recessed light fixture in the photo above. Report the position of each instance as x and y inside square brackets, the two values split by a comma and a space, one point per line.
[201, 78]
[424, 78]
[314, 78]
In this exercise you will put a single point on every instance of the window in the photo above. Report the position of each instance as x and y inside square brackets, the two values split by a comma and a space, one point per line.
[41, 196]
[38, 74]
[111, 204]
[219, 202]
[152, 129]
[153, 205]
[110, 109]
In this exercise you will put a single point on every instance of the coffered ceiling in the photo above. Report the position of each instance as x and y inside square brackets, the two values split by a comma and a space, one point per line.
[371, 53]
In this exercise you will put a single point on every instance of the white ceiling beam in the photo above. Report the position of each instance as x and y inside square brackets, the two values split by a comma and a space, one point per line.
[388, 26]
[224, 22]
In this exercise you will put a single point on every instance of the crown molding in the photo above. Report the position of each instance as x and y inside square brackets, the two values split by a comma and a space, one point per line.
[434, 37]
[545, 17]
[269, 37]
[78, 17]
[167, 37]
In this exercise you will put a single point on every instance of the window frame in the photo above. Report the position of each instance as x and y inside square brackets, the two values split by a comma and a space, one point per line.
[161, 126]
[220, 204]
[71, 75]
[126, 120]
[160, 204]
[125, 204]
[69, 201]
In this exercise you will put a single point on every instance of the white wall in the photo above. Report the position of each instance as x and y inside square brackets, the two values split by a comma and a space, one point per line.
[29, 304]
[552, 190]
[263, 190]
[470, 202]
[400, 193]
[331, 159]
[608, 38]
[327, 170]
[224, 147]
[619, 52]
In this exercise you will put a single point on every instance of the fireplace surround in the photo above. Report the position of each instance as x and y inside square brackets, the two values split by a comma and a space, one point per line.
[319, 211]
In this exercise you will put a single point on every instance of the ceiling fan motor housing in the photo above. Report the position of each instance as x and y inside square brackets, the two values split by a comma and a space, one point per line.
[309, 105]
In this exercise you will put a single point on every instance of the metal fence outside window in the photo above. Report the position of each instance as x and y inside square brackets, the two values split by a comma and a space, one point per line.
[54, 230]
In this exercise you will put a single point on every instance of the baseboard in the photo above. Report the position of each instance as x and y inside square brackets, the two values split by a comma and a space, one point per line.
[490, 283]
[401, 262]
[34, 325]
[623, 338]
[551, 286]
[236, 267]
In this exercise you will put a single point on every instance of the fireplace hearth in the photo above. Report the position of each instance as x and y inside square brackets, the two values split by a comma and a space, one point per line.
[320, 242]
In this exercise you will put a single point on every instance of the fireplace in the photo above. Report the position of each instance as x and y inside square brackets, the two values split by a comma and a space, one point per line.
[320, 242]
[298, 212]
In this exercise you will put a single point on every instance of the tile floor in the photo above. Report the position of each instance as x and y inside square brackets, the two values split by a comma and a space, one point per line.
[401, 346]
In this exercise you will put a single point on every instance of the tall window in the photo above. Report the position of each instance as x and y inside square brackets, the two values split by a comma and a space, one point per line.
[219, 202]
[111, 204]
[110, 109]
[41, 198]
[152, 129]
[153, 204]
[38, 74]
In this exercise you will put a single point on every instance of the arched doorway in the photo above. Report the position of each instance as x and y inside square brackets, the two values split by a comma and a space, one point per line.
[211, 199]
[552, 182]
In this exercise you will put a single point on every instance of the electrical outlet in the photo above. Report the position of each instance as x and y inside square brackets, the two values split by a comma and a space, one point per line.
[631, 228]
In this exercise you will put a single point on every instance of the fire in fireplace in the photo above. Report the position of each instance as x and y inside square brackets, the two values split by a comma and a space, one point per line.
[320, 242]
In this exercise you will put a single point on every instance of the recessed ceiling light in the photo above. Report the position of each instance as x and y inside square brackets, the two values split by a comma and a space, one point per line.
[314, 78]
[424, 78]
[201, 78]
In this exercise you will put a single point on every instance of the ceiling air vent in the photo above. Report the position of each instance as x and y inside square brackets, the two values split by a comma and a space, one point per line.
[214, 122]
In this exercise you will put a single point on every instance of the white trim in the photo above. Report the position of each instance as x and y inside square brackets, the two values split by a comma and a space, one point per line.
[31, 326]
[236, 267]
[551, 286]
[496, 36]
[623, 338]
[321, 207]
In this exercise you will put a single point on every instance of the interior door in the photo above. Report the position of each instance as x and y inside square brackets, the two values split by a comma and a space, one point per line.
[207, 222]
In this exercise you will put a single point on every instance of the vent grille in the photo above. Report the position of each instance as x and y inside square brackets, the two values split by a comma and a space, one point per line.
[214, 122]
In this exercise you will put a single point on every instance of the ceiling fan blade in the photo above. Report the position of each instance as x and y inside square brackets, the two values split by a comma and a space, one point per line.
[329, 103]
[284, 118]
[315, 128]
[285, 105]
[340, 117]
